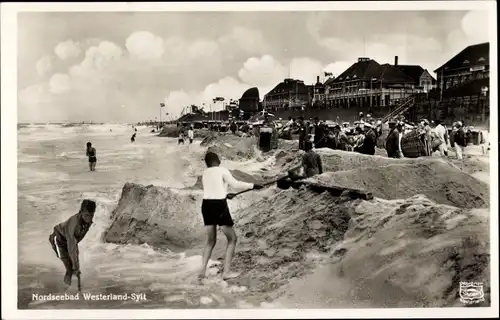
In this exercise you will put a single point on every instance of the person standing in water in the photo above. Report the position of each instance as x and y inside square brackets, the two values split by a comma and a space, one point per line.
[132, 139]
[215, 211]
[181, 138]
[91, 153]
[66, 236]
[190, 135]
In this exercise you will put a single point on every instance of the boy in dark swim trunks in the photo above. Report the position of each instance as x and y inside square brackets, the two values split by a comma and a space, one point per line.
[91, 153]
[216, 212]
[66, 236]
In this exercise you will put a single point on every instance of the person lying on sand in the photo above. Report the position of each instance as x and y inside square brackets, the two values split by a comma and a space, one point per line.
[91, 153]
[215, 211]
[311, 163]
[66, 236]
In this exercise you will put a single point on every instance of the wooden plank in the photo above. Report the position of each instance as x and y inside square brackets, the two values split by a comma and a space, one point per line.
[336, 191]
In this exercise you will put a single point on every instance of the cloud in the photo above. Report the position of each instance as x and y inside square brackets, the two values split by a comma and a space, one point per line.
[202, 48]
[227, 87]
[244, 39]
[202, 59]
[44, 66]
[473, 25]
[67, 50]
[306, 69]
[144, 45]
[98, 59]
[263, 71]
[59, 83]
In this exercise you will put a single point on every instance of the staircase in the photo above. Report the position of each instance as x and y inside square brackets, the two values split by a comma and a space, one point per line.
[407, 104]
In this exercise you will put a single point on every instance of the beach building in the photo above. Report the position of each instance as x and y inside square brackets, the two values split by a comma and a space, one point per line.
[369, 84]
[422, 79]
[464, 82]
[288, 94]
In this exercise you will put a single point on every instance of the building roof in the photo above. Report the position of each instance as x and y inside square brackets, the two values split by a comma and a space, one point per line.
[366, 69]
[469, 88]
[288, 85]
[329, 81]
[475, 55]
[414, 72]
[252, 93]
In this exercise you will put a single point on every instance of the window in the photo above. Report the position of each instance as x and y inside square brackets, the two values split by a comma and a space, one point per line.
[354, 76]
[347, 78]
[480, 59]
[466, 62]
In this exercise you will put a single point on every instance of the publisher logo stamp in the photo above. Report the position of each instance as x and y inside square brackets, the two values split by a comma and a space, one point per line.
[471, 292]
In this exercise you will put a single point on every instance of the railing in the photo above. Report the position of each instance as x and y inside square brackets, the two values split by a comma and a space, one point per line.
[408, 103]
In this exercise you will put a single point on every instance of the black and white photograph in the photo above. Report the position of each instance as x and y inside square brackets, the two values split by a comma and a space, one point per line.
[249, 160]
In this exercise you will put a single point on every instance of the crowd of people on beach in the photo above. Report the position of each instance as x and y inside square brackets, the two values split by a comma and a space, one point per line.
[402, 139]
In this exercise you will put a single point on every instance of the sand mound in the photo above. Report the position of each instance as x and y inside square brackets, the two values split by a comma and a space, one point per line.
[406, 253]
[435, 178]
[233, 147]
[392, 253]
[409, 252]
[157, 216]
[162, 217]
[172, 131]
[420, 248]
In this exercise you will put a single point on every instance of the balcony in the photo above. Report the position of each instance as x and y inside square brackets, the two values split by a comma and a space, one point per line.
[372, 92]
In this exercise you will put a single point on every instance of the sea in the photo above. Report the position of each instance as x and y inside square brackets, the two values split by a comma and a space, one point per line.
[53, 179]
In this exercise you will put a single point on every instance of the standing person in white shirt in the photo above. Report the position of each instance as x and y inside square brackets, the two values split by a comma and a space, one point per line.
[440, 131]
[190, 135]
[215, 211]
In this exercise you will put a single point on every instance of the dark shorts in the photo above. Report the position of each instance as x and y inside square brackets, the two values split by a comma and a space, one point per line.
[190, 140]
[216, 212]
[92, 159]
[58, 245]
[180, 141]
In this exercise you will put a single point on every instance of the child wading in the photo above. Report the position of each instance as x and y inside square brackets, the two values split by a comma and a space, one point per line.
[92, 156]
[66, 236]
[216, 212]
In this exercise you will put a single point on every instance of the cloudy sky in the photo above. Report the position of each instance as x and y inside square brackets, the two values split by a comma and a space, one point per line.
[117, 67]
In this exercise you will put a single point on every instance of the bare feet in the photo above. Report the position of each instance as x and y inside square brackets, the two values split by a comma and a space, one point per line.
[230, 275]
[67, 280]
[200, 277]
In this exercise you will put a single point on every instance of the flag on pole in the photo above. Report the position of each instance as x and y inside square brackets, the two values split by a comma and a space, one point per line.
[328, 74]
[162, 105]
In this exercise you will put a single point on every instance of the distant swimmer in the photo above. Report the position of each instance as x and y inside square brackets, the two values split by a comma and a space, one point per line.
[133, 138]
[215, 211]
[66, 236]
[181, 138]
[91, 153]
[135, 129]
[311, 163]
[190, 135]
